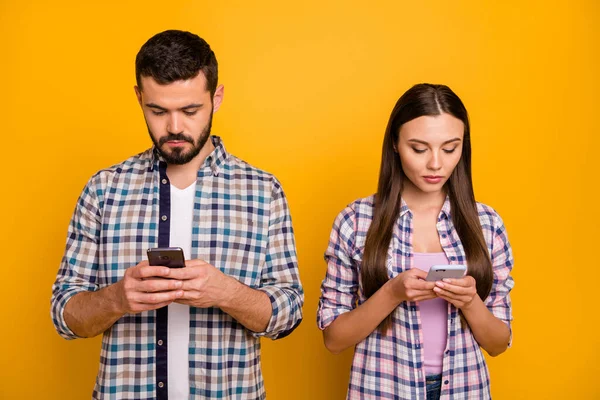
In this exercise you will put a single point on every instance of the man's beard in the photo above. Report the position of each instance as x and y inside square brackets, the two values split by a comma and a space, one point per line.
[177, 155]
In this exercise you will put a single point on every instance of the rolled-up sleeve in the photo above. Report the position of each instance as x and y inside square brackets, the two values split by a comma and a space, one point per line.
[79, 265]
[280, 279]
[498, 301]
[339, 290]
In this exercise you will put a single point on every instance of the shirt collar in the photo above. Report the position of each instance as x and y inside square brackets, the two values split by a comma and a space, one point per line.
[445, 211]
[404, 208]
[214, 160]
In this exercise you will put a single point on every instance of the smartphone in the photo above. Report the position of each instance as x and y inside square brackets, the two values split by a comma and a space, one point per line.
[439, 272]
[171, 257]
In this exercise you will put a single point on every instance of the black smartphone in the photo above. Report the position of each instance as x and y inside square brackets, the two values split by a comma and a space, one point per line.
[171, 257]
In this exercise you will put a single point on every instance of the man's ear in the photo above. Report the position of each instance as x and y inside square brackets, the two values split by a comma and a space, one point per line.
[138, 94]
[218, 98]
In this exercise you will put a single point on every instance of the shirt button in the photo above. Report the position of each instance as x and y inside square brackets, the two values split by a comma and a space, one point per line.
[164, 217]
[160, 342]
[446, 382]
[444, 235]
[164, 181]
[452, 258]
[161, 385]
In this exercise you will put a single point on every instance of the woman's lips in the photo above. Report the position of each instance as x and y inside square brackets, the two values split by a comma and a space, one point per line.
[433, 179]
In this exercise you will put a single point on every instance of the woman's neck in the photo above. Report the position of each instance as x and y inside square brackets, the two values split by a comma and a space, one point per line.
[417, 200]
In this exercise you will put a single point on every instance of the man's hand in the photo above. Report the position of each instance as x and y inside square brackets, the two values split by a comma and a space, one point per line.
[203, 284]
[459, 292]
[142, 288]
[138, 291]
[411, 286]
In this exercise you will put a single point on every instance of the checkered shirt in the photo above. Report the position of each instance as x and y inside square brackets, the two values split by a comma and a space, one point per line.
[392, 366]
[241, 225]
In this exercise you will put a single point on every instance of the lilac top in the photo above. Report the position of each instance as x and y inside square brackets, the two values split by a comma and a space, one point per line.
[434, 317]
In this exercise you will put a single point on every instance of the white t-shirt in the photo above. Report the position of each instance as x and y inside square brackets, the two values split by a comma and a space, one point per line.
[178, 333]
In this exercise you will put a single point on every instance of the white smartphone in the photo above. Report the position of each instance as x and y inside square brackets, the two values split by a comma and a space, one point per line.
[439, 272]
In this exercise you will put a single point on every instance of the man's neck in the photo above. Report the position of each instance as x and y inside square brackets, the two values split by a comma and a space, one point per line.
[182, 176]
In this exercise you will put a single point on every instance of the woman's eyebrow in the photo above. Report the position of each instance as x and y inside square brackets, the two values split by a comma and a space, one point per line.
[426, 143]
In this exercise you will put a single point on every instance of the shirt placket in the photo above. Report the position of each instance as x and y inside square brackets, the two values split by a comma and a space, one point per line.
[162, 392]
[413, 310]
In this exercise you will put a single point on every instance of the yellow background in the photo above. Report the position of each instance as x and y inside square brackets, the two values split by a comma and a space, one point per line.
[308, 90]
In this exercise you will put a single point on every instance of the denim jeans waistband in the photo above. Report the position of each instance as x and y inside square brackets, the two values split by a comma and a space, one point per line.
[433, 378]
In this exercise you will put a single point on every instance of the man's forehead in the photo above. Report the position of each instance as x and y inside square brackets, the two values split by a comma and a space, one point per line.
[195, 84]
[176, 93]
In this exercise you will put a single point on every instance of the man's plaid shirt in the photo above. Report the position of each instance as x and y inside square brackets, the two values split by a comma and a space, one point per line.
[241, 225]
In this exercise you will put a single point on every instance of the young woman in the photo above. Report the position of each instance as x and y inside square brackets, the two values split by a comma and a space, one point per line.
[414, 338]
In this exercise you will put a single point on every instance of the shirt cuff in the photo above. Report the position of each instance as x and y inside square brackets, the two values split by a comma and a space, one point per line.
[58, 309]
[281, 308]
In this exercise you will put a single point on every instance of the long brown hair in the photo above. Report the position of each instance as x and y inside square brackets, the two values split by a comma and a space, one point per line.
[421, 100]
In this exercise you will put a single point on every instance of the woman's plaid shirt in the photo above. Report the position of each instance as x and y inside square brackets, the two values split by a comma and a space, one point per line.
[392, 366]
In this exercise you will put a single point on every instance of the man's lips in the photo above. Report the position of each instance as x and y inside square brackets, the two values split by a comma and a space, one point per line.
[176, 142]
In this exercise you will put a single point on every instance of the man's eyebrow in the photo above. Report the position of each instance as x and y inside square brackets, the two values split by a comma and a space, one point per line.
[425, 143]
[152, 105]
[193, 105]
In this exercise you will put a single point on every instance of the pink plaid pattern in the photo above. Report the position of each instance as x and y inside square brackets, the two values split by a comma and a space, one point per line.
[392, 366]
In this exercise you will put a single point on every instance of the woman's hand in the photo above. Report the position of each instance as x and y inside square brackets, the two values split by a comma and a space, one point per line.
[460, 292]
[411, 286]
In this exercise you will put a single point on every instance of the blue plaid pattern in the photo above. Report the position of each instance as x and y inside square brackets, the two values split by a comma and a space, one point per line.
[392, 366]
[241, 225]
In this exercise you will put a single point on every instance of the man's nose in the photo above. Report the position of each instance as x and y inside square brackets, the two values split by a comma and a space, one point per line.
[174, 124]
